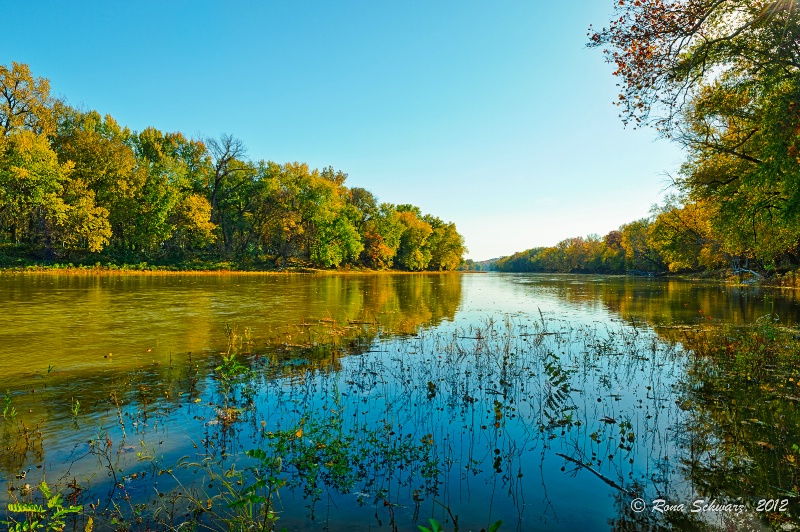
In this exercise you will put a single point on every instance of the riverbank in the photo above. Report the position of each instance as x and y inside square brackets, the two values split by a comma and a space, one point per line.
[789, 279]
[213, 269]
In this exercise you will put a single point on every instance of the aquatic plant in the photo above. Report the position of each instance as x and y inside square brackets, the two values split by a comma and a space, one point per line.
[9, 412]
[392, 428]
[437, 527]
[49, 516]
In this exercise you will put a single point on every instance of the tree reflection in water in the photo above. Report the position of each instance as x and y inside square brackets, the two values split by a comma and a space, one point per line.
[378, 419]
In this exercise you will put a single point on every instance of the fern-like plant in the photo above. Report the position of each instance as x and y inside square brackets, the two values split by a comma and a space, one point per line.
[50, 517]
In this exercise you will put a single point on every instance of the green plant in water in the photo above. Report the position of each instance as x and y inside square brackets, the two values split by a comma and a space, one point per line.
[234, 339]
[754, 352]
[253, 504]
[50, 368]
[76, 407]
[436, 527]
[230, 373]
[245, 497]
[8, 409]
[51, 516]
[231, 370]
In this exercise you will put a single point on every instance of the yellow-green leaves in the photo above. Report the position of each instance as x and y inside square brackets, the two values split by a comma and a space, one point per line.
[24, 101]
[76, 183]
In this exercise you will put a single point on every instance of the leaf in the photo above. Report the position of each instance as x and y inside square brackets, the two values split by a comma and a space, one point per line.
[46, 491]
[495, 526]
[238, 503]
[54, 501]
[26, 508]
[69, 510]
[258, 454]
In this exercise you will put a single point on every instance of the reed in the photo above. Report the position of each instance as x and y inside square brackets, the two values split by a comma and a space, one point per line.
[401, 430]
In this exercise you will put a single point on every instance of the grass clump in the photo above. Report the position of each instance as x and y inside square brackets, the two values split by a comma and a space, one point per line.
[758, 352]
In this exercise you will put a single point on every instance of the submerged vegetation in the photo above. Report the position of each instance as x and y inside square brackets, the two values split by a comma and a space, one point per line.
[367, 427]
[77, 187]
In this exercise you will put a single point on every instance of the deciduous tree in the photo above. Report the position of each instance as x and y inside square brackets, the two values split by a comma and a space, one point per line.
[25, 102]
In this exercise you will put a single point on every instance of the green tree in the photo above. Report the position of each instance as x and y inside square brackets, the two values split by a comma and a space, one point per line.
[333, 238]
[594, 248]
[742, 163]
[192, 222]
[227, 153]
[75, 181]
[365, 205]
[163, 184]
[445, 244]
[613, 254]
[413, 253]
[303, 215]
[666, 51]
[40, 202]
[75, 222]
[25, 102]
[723, 79]
[683, 236]
[639, 254]
[102, 157]
[31, 181]
[381, 236]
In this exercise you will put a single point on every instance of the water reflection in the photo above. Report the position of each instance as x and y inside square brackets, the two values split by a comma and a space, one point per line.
[152, 340]
[521, 397]
[75, 322]
[659, 301]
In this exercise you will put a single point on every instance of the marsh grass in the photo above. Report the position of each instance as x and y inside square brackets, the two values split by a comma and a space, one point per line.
[743, 393]
[762, 351]
[344, 424]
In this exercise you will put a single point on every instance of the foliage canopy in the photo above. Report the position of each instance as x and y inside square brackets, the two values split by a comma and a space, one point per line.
[78, 186]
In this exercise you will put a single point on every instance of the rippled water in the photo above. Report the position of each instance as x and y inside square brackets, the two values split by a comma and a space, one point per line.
[545, 401]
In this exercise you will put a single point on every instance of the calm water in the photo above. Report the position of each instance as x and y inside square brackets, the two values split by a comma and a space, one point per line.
[477, 396]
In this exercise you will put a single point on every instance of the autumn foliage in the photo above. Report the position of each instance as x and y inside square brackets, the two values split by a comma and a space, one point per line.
[78, 186]
[721, 78]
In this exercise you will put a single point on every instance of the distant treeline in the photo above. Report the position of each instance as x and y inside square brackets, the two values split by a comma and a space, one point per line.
[77, 186]
[678, 237]
[619, 251]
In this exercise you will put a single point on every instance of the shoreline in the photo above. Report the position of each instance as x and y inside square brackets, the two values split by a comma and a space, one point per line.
[787, 280]
[102, 270]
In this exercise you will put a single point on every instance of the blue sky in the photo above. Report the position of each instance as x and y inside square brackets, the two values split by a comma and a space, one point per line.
[492, 115]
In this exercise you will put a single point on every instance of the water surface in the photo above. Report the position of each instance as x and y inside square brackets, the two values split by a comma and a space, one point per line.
[477, 396]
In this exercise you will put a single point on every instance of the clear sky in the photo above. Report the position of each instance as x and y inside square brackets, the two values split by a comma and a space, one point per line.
[492, 115]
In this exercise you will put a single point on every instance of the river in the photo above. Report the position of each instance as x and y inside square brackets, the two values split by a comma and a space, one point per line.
[549, 402]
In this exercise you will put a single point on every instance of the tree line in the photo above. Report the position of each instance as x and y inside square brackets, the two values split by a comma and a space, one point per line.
[675, 238]
[78, 186]
[722, 79]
